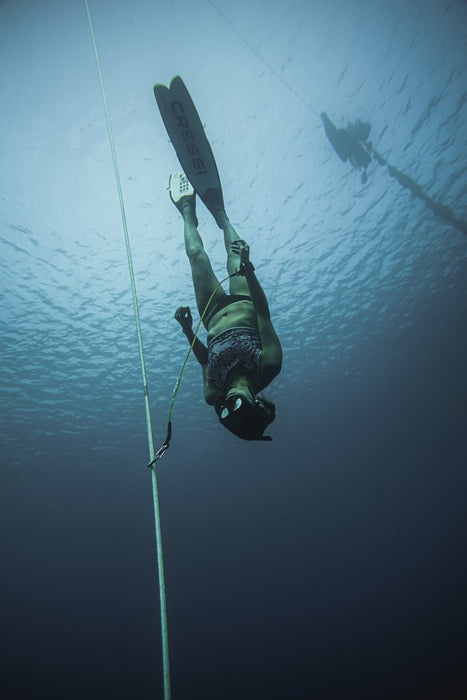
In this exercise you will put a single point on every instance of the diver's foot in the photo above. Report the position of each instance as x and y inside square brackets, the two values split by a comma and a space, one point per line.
[183, 195]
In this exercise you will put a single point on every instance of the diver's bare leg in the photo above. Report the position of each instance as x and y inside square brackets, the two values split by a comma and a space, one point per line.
[204, 279]
[238, 285]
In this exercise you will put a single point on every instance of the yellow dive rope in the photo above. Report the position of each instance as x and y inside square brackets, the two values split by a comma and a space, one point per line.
[165, 446]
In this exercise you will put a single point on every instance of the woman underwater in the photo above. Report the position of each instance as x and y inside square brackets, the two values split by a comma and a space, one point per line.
[243, 353]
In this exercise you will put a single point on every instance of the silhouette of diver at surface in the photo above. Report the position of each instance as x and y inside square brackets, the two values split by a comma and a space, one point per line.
[348, 142]
[352, 144]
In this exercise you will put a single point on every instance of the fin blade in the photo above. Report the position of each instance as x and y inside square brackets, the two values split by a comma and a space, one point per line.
[186, 132]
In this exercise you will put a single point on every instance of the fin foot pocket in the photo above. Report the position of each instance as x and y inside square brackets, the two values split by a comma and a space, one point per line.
[182, 193]
[214, 202]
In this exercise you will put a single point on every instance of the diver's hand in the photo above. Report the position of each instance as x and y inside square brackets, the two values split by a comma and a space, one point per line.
[242, 249]
[184, 318]
[239, 245]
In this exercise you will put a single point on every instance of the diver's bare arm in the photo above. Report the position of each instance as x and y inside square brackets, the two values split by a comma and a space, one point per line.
[200, 350]
[258, 297]
[271, 356]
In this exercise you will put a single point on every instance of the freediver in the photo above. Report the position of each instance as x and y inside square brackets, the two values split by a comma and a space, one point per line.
[348, 142]
[352, 144]
[243, 353]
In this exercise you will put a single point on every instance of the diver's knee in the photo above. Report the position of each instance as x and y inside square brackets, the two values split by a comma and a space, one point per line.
[233, 263]
[197, 256]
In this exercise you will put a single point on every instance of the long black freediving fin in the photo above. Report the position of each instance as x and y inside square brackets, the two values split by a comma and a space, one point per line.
[190, 142]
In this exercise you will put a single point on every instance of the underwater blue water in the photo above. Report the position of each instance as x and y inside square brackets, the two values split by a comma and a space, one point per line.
[330, 562]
